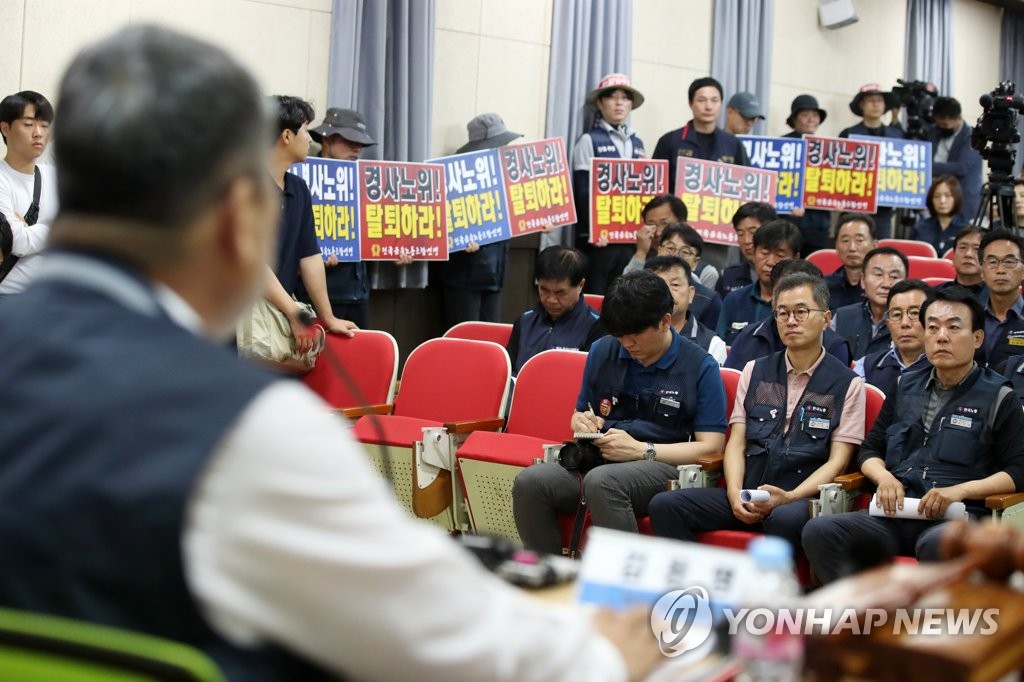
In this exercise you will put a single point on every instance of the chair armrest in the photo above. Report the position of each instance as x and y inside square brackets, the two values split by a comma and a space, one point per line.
[355, 412]
[492, 424]
[711, 462]
[851, 481]
[1003, 501]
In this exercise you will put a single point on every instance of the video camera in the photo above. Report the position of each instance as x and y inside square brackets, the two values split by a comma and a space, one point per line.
[917, 99]
[995, 134]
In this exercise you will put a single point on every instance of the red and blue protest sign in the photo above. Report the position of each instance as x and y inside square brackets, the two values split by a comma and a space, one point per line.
[539, 185]
[904, 171]
[404, 212]
[475, 192]
[332, 185]
[619, 190]
[785, 157]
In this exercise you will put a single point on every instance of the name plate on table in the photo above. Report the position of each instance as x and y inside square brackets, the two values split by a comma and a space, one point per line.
[620, 569]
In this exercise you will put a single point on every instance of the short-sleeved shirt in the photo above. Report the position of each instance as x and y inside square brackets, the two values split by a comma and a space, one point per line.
[851, 424]
[297, 233]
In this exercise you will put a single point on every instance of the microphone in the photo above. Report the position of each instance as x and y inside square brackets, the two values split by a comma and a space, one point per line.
[307, 320]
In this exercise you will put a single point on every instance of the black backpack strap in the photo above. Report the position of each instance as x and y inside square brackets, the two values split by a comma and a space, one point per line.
[31, 216]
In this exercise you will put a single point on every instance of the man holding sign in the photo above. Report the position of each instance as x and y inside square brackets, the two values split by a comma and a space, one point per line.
[953, 433]
[797, 420]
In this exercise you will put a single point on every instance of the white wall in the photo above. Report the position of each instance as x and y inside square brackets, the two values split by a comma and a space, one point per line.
[491, 56]
[284, 42]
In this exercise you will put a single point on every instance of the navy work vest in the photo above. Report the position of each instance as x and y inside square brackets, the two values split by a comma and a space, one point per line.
[538, 332]
[882, 370]
[107, 426]
[782, 456]
[661, 413]
[958, 447]
[605, 148]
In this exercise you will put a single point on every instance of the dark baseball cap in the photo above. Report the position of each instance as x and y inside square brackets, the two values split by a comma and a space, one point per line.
[745, 103]
[345, 122]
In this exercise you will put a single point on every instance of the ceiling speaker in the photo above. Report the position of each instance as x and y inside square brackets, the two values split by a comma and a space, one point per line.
[835, 14]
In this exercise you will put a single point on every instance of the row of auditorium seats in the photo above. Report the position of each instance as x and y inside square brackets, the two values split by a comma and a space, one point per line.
[921, 267]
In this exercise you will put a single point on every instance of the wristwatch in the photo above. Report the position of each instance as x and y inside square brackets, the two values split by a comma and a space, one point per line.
[649, 453]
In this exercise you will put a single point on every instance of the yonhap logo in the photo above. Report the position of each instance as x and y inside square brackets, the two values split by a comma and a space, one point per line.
[681, 620]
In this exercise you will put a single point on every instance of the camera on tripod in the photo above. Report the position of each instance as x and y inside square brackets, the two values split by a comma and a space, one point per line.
[995, 137]
[916, 98]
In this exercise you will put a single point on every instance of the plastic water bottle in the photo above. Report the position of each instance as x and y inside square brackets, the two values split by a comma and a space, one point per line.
[776, 655]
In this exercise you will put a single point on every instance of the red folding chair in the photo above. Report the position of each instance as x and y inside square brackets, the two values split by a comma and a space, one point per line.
[595, 301]
[949, 254]
[930, 267]
[542, 406]
[910, 247]
[452, 385]
[935, 281]
[367, 365]
[495, 332]
[827, 260]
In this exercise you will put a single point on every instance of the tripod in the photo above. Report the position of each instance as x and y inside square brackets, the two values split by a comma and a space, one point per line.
[997, 203]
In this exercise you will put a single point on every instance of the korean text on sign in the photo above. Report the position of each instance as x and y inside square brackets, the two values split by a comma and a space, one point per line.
[712, 192]
[477, 207]
[539, 185]
[332, 185]
[619, 190]
[785, 157]
[841, 175]
[403, 210]
[904, 171]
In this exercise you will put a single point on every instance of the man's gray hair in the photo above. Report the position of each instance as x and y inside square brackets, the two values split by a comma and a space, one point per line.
[819, 290]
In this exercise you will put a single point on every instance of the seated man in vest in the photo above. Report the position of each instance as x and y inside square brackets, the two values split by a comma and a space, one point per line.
[855, 237]
[675, 239]
[657, 214]
[863, 324]
[561, 318]
[1001, 255]
[658, 401]
[762, 338]
[747, 219]
[884, 368]
[153, 481]
[676, 273]
[953, 433]
[773, 242]
[967, 264]
[798, 418]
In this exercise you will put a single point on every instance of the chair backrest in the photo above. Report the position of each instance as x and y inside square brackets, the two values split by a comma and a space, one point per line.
[450, 380]
[545, 395]
[595, 301]
[496, 332]
[949, 254]
[935, 281]
[36, 647]
[873, 399]
[910, 247]
[370, 361]
[731, 381]
[930, 267]
[827, 260]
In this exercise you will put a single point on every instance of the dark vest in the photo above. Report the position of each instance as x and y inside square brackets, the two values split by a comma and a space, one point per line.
[537, 332]
[108, 423]
[782, 456]
[1006, 342]
[958, 448]
[855, 326]
[883, 371]
[697, 333]
[662, 414]
[1015, 373]
[605, 148]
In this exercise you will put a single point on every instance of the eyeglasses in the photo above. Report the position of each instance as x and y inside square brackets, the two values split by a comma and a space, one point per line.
[1008, 262]
[800, 314]
[896, 315]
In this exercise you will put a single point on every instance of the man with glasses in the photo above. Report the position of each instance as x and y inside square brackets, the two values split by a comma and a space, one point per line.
[884, 368]
[953, 433]
[1003, 273]
[561, 318]
[863, 324]
[967, 263]
[677, 275]
[657, 214]
[747, 220]
[797, 420]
